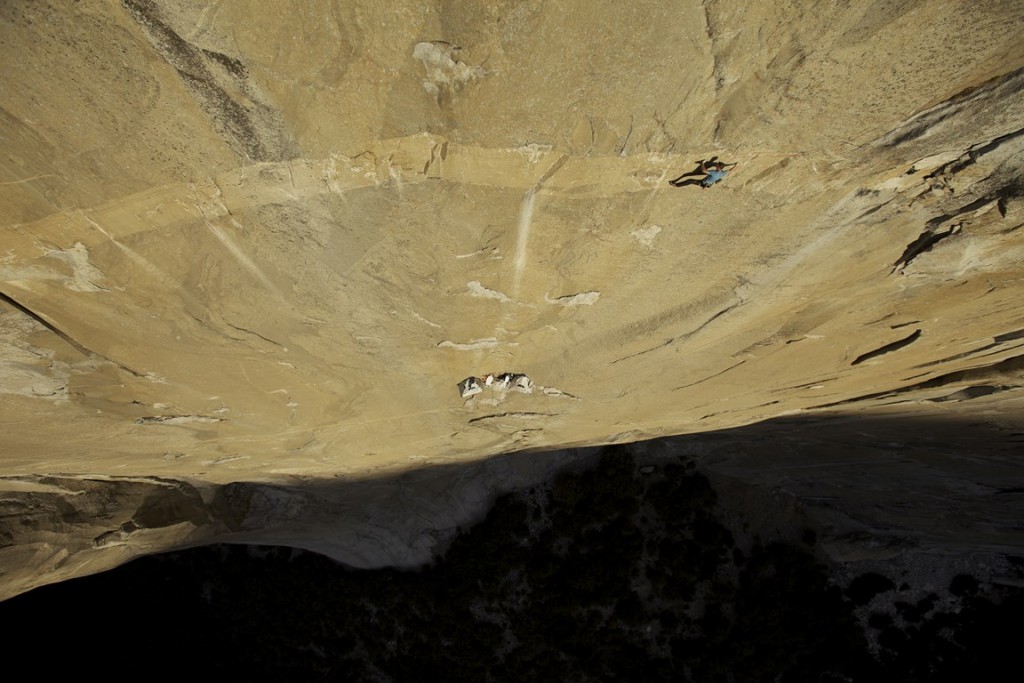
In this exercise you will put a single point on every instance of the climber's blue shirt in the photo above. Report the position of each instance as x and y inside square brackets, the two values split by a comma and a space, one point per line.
[713, 177]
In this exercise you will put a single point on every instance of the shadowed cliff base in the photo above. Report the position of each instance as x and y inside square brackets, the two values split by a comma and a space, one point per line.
[685, 558]
[875, 486]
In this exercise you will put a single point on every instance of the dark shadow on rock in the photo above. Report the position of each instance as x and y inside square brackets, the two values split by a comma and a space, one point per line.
[623, 566]
[703, 163]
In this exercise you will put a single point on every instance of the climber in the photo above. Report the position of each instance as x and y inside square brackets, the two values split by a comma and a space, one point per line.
[712, 170]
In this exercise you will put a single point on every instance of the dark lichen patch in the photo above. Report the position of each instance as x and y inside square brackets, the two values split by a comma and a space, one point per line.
[251, 127]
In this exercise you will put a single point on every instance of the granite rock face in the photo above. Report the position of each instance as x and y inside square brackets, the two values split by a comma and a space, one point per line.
[248, 252]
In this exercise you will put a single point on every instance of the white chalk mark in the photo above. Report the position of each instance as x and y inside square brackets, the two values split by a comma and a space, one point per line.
[331, 178]
[645, 236]
[471, 346]
[397, 178]
[533, 151]
[84, 275]
[552, 391]
[178, 419]
[419, 317]
[492, 252]
[478, 290]
[443, 69]
[580, 299]
[26, 180]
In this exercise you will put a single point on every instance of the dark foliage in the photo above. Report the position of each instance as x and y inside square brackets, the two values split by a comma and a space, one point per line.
[863, 588]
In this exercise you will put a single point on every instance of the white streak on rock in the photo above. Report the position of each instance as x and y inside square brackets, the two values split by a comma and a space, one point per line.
[522, 237]
[243, 259]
